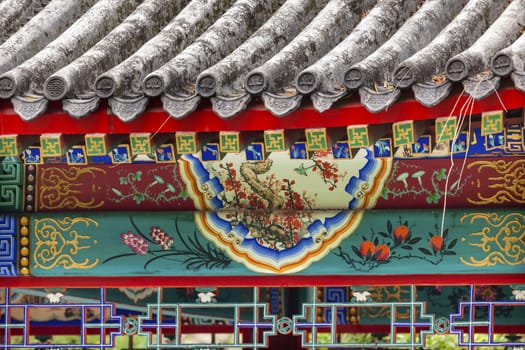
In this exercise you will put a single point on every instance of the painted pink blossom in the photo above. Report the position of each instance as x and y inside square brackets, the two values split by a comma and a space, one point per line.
[136, 243]
[161, 238]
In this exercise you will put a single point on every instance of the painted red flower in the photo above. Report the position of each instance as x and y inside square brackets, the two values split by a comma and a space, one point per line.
[367, 248]
[382, 252]
[436, 243]
[401, 233]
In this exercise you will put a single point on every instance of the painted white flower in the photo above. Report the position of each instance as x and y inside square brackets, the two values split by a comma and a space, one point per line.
[361, 297]
[208, 297]
[54, 298]
[519, 294]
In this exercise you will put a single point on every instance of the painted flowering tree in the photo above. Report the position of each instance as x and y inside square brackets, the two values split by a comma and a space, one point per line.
[274, 210]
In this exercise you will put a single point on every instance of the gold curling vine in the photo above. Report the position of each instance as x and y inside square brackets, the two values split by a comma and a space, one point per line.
[57, 242]
[502, 239]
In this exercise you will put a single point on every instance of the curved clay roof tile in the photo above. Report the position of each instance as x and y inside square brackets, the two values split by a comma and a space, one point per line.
[79, 37]
[503, 32]
[326, 76]
[77, 78]
[457, 36]
[511, 58]
[178, 76]
[43, 28]
[273, 35]
[15, 13]
[126, 78]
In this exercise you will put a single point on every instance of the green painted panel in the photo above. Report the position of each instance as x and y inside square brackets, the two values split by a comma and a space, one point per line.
[302, 242]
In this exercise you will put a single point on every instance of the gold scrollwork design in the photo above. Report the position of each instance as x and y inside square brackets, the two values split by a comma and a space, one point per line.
[61, 188]
[387, 294]
[508, 186]
[501, 240]
[57, 242]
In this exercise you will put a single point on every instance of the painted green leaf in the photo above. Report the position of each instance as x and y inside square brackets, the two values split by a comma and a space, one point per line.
[170, 187]
[183, 194]
[356, 251]
[414, 240]
[452, 244]
[138, 197]
[425, 251]
[383, 234]
[159, 179]
[117, 192]
[301, 170]
[123, 180]
[389, 226]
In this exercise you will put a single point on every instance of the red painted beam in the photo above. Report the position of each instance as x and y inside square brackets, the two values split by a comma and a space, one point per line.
[155, 119]
[262, 281]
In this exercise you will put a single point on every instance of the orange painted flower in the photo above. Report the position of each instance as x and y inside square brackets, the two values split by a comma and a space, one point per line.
[382, 252]
[367, 248]
[401, 233]
[436, 243]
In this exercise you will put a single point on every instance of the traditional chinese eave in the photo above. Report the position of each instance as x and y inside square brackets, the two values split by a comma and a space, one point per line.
[156, 120]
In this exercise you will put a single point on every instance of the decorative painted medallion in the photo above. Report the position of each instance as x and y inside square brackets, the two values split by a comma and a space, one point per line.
[261, 215]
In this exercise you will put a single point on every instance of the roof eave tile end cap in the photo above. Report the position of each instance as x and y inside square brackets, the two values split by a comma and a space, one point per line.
[179, 107]
[8, 86]
[29, 107]
[56, 88]
[79, 108]
[457, 69]
[502, 65]
[481, 88]
[281, 105]
[323, 101]
[229, 107]
[105, 86]
[127, 109]
[431, 94]
[307, 82]
[256, 82]
[377, 101]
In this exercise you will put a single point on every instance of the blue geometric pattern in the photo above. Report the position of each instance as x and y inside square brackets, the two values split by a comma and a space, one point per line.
[7, 245]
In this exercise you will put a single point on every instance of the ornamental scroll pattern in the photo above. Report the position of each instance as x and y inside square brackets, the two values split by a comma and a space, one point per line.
[11, 179]
[387, 294]
[507, 185]
[69, 188]
[59, 242]
[501, 240]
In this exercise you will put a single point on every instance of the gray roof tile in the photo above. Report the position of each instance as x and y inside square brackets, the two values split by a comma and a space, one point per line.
[232, 52]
